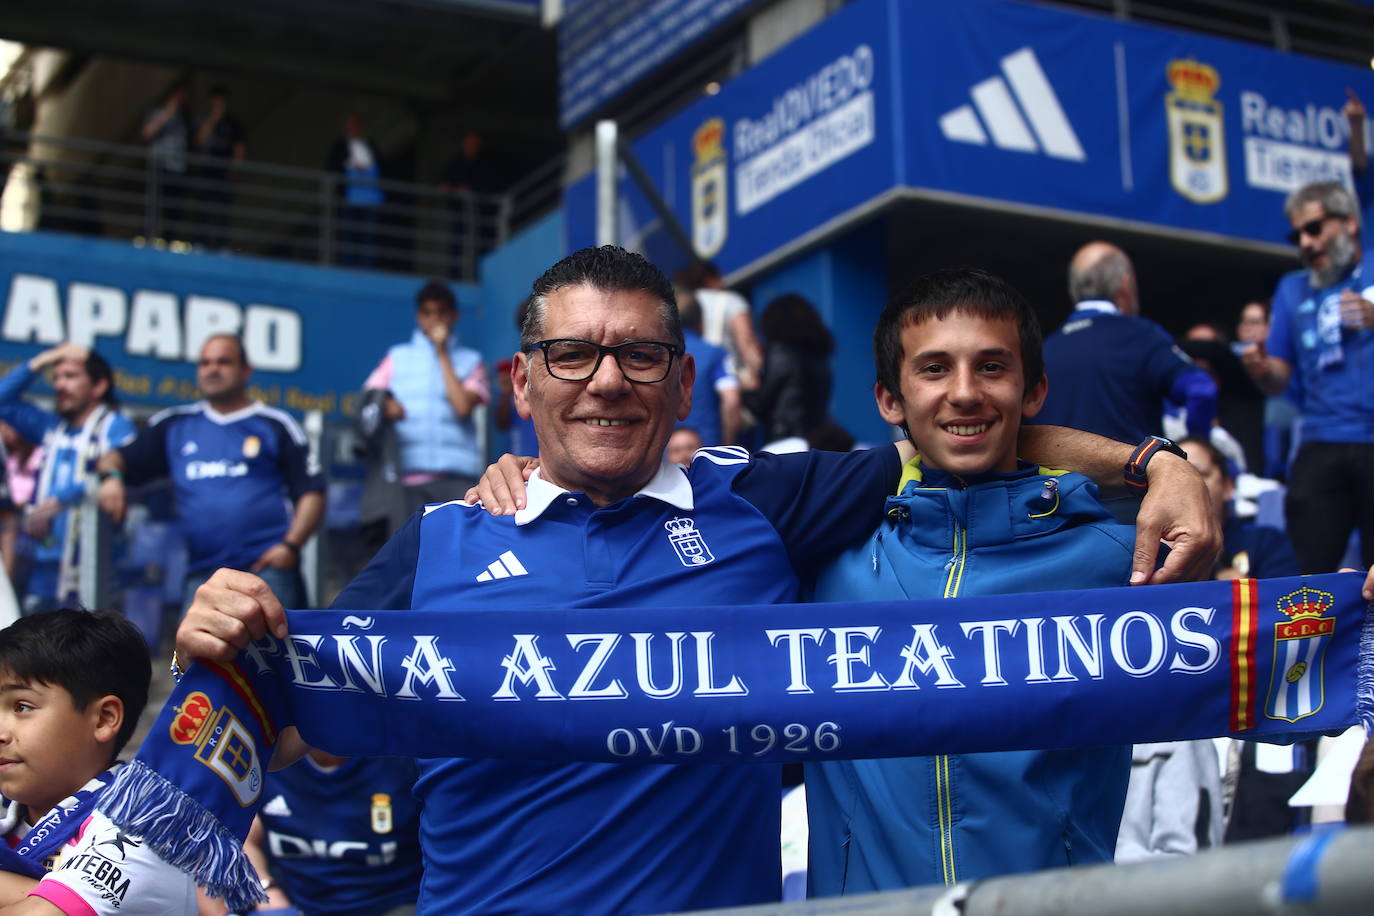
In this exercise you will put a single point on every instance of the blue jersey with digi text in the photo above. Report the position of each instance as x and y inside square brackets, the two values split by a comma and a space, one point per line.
[503, 836]
[344, 842]
[1332, 364]
[1109, 374]
[236, 477]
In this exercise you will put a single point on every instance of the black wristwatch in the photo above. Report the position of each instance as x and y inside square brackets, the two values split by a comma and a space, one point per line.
[1134, 472]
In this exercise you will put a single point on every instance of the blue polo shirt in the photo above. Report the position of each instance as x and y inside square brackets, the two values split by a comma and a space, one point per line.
[508, 837]
[344, 842]
[1333, 365]
[236, 477]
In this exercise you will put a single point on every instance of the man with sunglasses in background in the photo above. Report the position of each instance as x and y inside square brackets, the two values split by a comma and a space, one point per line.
[1321, 335]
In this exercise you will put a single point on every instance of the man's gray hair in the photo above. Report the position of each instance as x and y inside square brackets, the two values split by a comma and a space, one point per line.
[1101, 279]
[609, 269]
[1334, 197]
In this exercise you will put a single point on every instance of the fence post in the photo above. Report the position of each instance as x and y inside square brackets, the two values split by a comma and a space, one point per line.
[310, 560]
[327, 220]
[95, 577]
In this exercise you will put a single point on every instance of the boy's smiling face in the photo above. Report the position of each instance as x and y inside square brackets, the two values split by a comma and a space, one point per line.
[962, 392]
[48, 747]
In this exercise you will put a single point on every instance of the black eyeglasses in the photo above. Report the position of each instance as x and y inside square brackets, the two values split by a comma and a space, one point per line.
[641, 361]
[1313, 228]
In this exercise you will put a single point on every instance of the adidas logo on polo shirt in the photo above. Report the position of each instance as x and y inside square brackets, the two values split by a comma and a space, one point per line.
[504, 567]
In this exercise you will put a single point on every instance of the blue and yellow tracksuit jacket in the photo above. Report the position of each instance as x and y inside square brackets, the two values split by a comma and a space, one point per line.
[902, 822]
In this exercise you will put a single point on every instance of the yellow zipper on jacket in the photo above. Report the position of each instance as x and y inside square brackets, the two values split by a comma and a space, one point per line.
[944, 801]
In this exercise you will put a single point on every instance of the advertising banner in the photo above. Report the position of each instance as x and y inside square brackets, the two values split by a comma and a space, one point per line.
[998, 101]
[789, 145]
[312, 335]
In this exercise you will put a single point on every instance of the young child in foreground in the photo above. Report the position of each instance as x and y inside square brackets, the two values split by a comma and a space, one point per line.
[72, 686]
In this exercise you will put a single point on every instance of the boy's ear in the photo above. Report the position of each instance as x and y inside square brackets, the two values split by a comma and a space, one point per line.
[1034, 399]
[890, 406]
[107, 717]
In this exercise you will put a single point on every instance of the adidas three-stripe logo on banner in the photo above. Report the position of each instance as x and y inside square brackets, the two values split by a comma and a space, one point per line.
[1048, 131]
[505, 566]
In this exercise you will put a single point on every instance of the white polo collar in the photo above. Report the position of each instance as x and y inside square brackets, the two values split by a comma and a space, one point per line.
[1105, 306]
[669, 485]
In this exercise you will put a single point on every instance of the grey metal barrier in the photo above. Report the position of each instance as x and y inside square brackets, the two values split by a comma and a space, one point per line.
[1313, 875]
[117, 191]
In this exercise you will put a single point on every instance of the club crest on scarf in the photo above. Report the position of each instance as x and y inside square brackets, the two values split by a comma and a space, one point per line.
[1300, 641]
[221, 743]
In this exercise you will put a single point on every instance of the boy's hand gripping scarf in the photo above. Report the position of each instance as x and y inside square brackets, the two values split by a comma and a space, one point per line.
[1273, 660]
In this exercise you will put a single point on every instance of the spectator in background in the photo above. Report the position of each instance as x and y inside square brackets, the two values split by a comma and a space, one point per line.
[794, 390]
[1249, 550]
[1280, 414]
[682, 445]
[238, 467]
[1254, 798]
[465, 174]
[1322, 336]
[1239, 427]
[726, 322]
[23, 461]
[86, 425]
[354, 158]
[220, 137]
[523, 440]
[340, 835]
[715, 397]
[1112, 368]
[167, 131]
[434, 387]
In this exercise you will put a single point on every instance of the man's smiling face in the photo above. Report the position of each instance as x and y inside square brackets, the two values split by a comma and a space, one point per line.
[603, 436]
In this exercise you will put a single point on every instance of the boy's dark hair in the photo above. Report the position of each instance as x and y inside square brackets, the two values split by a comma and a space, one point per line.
[436, 291]
[98, 370]
[88, 654]
[961, 289]
[609, 269]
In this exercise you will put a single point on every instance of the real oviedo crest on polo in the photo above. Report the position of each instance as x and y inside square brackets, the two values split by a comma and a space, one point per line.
[710, 203]
[687, 542]
[1197, 138]
[1300, 642]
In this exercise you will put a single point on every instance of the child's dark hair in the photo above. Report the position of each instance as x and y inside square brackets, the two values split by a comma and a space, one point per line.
[961, 289]
[88, 654]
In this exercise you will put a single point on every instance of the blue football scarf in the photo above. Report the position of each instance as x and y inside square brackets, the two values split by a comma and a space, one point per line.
[46, 838]
[1274, 660]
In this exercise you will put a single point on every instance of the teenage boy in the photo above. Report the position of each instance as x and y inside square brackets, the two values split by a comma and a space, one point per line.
[959, 367]
[72, 686]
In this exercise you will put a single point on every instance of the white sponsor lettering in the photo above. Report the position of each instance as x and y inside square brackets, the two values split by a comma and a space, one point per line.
[150, 322]
[1285, 167]
[1286, 148]
[815, 148]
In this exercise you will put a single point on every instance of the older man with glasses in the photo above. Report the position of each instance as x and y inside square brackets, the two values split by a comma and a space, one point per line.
[1322, 335]
[607, 523]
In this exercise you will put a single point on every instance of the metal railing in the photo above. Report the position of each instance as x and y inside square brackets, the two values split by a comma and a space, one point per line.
[116, 191]
[1312, 875]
